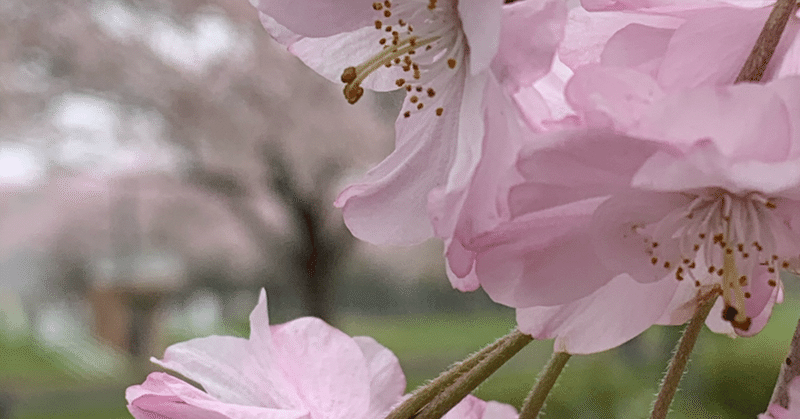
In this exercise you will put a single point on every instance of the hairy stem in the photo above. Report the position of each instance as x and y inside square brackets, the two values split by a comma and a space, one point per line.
[467, 382]
[756, 63]
[535, 400]
[426, 393]
[789, 370]
[678, 363]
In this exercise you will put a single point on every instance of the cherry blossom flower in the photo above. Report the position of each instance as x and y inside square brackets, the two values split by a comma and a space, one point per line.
[776, 411]
[665, 198]
[443, 53]
[303, 369]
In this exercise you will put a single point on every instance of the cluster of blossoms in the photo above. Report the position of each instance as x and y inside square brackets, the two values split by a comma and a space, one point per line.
[599, 169]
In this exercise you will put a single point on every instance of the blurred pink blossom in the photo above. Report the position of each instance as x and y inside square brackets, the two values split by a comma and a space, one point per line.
[666, 197]
[300, 369]
[444, 53]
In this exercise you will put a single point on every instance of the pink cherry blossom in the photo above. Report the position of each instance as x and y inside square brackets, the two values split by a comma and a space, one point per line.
[664, 198]
[776, 411]
[443, 53]
[303, 369]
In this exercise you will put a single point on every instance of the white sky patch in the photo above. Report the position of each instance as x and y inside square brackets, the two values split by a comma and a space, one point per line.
[210, 38]
[86, 112]
[194, 46]
[18, 165]
[101, 135]
[88, 124]
[118, 19]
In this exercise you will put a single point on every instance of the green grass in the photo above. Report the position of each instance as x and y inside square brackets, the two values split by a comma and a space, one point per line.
[727, 378]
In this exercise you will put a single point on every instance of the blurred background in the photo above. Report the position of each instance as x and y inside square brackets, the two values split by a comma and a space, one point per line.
[161, 161]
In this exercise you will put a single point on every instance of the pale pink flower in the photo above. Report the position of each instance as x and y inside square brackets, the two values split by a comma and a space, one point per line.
[443, 52]
[666, 197]
[303, 369]
[776, 411]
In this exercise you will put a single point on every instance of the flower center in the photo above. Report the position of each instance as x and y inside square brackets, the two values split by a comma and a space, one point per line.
[423, 38]
[720, 241]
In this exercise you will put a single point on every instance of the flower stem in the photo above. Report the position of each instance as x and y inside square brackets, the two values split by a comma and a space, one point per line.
[789, 370]
[678, 363]
[426, 393]
[768, 39]
[467, 382]
[535, 400]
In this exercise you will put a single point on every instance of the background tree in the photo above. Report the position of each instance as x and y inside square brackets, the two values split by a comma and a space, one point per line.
[198, 89]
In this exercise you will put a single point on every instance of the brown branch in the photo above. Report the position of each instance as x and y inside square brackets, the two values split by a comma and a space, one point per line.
[753, 69]
[790, 369]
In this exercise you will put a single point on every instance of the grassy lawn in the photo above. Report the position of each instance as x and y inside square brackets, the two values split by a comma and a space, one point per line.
[727, 378]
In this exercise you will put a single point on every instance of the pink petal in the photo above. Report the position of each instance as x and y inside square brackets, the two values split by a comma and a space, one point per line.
[611, 96]
[789, 90]
[587, 33]
[759, 305]
[759, 308]
[329, 56]
[532, 258]
[786, 61]
[545, 102]
[672, 5]
[319, 18]
[481, 23]
[609, 317]
[638, 47]
[497, 410]
[716, 323]
[705, 166]
[387, 381]
[236, 370]
[711, 47]
[725, 117]
[683, 305]
[230, 370]
[470, 407]
[460, 266]
[326, 367]
[624, 252]
[389, 206]
[543, 258]
[474, 207]
[572, 165]
[530, 34]
[164, 396]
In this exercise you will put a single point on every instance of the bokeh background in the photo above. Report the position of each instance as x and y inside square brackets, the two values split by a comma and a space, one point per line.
[161, 161]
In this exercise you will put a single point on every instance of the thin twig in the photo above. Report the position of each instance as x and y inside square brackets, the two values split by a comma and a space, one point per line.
[426, 393]
[789, 370]
[681, 357]
[452, 395]
[753, 69]
[535, 400]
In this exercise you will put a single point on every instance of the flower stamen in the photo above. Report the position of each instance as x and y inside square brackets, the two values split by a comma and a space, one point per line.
[437, 44]
[711, 240]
